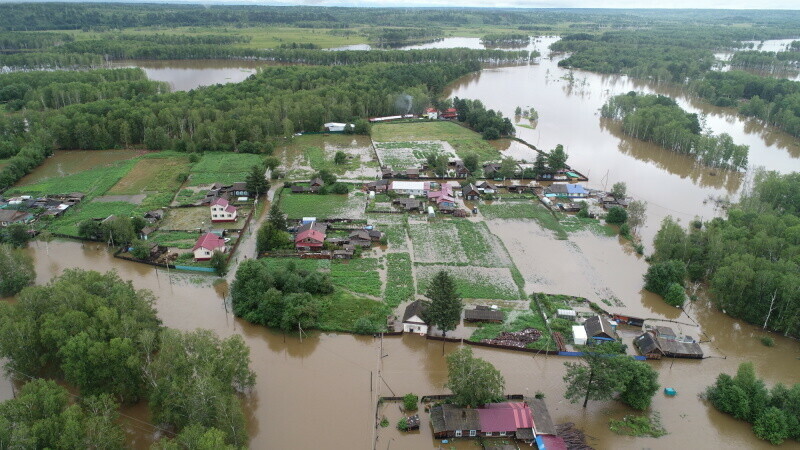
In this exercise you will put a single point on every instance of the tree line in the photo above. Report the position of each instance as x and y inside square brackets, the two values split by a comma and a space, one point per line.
[659, 119]
[748, 260]
[22, 41]
[102, 336]
[57, 89]
[775, 101]
[87, 16]
[771, 61]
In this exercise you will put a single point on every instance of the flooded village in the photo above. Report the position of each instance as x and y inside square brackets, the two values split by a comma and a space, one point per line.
[540, 271]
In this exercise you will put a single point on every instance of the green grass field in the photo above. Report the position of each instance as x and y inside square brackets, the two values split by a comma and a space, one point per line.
[517, 322]
[68, 223]
[525, 209]
[261, 37]
[440, 130]
[343, 310]
[153, 175]
[399, 279]
[225, 168]
[473, 282]
[359, 275]
[296, 206]
[177, 239]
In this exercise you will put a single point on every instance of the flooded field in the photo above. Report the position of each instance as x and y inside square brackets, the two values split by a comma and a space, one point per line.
[303, 386]
[672, 184]
[183, 75]
[67, 162]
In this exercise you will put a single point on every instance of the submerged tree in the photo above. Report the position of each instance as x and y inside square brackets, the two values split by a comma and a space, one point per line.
[16, 270]
[473, 381]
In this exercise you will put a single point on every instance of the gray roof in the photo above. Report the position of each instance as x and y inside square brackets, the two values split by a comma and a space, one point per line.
[483, 314]
[321, 227]
[647, 343]
[448, 417]
[415, 308]
[677, 348]
[599, 326]
[541, 416]
[468, 189]
[665, 331]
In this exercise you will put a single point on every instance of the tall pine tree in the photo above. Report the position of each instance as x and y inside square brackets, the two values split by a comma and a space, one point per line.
[444, 311]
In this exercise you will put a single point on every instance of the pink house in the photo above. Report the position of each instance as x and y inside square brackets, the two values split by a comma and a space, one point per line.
[206, 245]
[445, 191]
[309, 240]
[222, 211]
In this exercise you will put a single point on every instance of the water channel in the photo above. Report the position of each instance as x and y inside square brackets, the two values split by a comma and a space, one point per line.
[321, 392]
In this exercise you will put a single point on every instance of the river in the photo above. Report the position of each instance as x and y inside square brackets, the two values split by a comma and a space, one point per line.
[321, 392]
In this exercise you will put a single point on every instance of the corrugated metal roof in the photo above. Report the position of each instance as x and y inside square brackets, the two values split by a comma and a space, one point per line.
[508, 417]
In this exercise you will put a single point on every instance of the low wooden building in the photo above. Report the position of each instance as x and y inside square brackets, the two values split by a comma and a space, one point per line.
[470, 192]
[653, 346]
[483, 315]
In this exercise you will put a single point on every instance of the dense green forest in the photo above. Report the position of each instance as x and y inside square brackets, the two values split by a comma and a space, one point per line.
[102, 336]
[506, 40]
[775, 101]
[749, 259]
[276, 102]
[672, 53]
[774, 413]
[660, 120]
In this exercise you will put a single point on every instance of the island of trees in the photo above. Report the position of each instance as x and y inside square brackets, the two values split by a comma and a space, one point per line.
[659, 119]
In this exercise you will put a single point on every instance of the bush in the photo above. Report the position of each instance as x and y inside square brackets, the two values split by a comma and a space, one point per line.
[220, 263]
[491, 133]
[410, 402]
[402, 424]
[660, 275]
[365, 325]
[339, 188]
[384, 422]
[675, 295]
[616, 215]
[767, 341]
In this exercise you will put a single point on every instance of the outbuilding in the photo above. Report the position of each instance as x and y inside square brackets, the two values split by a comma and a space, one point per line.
[579, 334]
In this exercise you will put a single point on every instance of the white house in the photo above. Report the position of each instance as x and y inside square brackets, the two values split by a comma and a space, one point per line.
[222, 211]
[335, 126]
[412, 319]
[409, 187]
[206, 246]
[432, 113]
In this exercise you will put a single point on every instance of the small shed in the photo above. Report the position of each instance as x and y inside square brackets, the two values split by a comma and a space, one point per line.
[568, 314]
[579, 333]
[648, 346]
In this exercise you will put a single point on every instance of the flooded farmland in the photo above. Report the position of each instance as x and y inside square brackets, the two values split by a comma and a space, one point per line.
[312, 382]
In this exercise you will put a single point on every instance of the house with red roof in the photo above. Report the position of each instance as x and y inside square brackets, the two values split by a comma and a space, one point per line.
[222, 211]
[310, 237]
[207, 245]
[450, 113]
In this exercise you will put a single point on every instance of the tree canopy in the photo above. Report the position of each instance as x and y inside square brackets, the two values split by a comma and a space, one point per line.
[444, 311]
[473, 381]
[16, 270]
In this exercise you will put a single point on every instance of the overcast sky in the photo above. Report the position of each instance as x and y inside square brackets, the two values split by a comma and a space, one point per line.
[689, 4]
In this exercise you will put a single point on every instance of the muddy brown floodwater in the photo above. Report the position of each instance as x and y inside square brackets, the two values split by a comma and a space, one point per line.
[321, 393]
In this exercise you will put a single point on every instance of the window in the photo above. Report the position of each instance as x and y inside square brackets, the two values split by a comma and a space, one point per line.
[473, 433]
[215, 215]
[488, 433]
[458, 433]
[502, 433]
